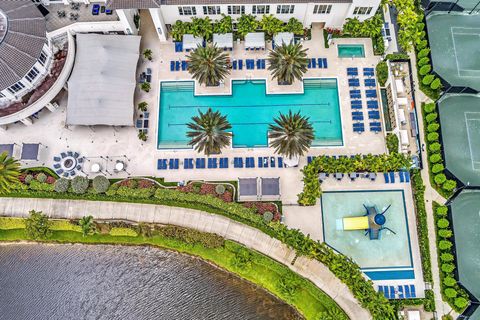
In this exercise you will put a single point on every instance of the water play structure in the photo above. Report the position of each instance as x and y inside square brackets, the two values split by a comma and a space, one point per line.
[373, 222]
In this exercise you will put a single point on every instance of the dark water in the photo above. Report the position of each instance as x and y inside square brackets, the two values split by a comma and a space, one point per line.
[106, 282]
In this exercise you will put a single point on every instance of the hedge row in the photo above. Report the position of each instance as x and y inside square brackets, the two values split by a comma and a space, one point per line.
[436, 166]
[452, 293]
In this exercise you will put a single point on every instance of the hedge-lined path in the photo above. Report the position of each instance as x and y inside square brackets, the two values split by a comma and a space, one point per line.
[252, 238]
[431, 195]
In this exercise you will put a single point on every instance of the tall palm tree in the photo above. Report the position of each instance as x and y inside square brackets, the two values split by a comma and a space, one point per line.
[9, 172]
[208, 65]
[288, 62]
[209, 132]
[291, 135]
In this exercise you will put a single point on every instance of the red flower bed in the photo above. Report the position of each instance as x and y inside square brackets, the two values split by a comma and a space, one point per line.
[206, 188]
[262, 207]
[145, 184]
[50, 180]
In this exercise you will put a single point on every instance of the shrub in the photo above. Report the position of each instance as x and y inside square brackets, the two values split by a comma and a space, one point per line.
[61, 185]
[392, 143]
[209, 240]
[267, 216]
[432, 136]
[434, 158]
[145, 86]
[445, 233]
[79, 185]
[438, 167]
[444, 245]
[424, 70]
[122, 232]
[449, 185]
[448, 267]
[450, 293]
[423, 61]
[40, 186]
[435, 147]
[28, 178]
[132, 183]
[41, 177]
[442, 211]
[449, 281]
[431, 117]
[100, 184]
[433, 127]
[446, 257]
[440, 178]
[428, 79]
[220, 189]
[37, 226]
[382, 72]
[423, 53]
[443, 223]
[422, 44]
[429, 107]
[461, 302]
[142, 106]
[436, 84]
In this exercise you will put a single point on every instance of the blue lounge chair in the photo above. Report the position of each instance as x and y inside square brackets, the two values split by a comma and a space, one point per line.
[368, 72]
[173, 164]
[59, 171]
[184, 65]
[407, 292]
[407, 176]
[309, 63]
[264, 64]
[240, 64]
[200, 163]
[387, 179]
[280, 162]
[249, 162]
[57, 159]
[259, 64]
[272, 162]
[373, 115]
[371, 93]
[412, 291]
[95, 9]
[372, 104]
[400, 292]
[392, 176]
[353, 82]
[385, 292]
[188, 163]
[358, 129]
[177, 65]
[250, 64]
[162, 164]
[314, 63]
[325, 63]
[212, 163]
[400, 175]
[172, 65]
[260, 162]
[370, 83]
[392, 292]
[223, 163]
[56, 166]
[310, 159]
[320, 63]
[234, 64]
[352, 72]
[238, 162]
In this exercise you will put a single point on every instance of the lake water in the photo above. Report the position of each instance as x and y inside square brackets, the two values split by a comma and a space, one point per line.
[113, 282]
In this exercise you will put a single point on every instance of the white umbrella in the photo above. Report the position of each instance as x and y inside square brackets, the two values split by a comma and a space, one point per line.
[291, 162]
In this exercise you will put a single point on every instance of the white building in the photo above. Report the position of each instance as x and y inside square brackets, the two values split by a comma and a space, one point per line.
[330, 13]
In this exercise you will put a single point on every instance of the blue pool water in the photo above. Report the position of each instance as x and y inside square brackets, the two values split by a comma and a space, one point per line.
[351, 50]
[250, 110]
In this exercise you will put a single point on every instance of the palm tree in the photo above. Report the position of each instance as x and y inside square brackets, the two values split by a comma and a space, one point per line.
[147, 53]
[209, 132]
[87, 225]
[288, 62]
[9, 172]
[208, 65]
[291, 135]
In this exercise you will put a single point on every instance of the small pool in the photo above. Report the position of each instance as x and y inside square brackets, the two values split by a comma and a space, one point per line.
[351, 51]
[391, 251]
[250, 111]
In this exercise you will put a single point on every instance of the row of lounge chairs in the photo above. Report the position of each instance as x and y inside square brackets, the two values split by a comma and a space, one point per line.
[403, 175]
[369, 93]
[222, 163]
[352, 175]
[321, 62]
[367, 72]
[254, 48]
[355, 82]
[250, 63]
[401, 292]
[177, 65]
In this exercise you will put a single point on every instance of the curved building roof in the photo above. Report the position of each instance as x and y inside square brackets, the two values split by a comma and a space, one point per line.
[22, 36]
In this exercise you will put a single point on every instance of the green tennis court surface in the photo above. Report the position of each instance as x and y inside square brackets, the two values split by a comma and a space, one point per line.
[460, 123]
[455, 44]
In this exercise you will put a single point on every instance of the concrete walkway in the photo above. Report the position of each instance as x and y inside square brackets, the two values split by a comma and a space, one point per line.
[313, 270]
[431, 195]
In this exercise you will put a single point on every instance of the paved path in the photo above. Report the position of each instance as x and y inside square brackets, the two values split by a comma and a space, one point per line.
[199, 220]
[431, 195]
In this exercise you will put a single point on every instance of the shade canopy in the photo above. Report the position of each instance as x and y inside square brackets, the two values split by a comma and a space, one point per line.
[223, 40]
[255, 40]
[270, 186]
[30, 151]
[247, 186]
[102, 85]
[190, 42]
[283, 37]
[8, 148]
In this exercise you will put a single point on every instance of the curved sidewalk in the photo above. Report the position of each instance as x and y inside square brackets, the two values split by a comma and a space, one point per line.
[313, 270]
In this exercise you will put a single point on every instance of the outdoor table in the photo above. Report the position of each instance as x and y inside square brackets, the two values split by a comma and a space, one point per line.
[95, 168]
[119, 166]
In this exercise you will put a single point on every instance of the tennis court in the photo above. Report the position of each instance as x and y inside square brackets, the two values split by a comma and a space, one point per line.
[460, 120]
[455, 40]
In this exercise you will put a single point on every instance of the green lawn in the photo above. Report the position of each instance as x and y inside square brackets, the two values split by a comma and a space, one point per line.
[263, 271]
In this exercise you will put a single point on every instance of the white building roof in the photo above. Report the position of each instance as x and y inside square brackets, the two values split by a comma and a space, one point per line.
[102, 85]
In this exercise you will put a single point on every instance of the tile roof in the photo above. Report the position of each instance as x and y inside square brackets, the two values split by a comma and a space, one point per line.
[22, 39]
[144, 4]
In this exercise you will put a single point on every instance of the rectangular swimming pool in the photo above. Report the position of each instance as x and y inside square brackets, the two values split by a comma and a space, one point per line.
[250, 111]
[351, 51]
